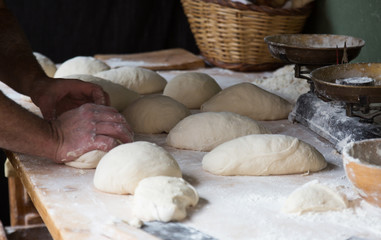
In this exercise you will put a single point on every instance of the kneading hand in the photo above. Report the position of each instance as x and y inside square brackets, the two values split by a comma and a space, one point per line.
[89, 127]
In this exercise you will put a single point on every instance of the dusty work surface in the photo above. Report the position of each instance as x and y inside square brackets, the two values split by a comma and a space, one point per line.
[237, 207]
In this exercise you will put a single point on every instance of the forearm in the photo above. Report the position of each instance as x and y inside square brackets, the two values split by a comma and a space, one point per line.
[22, 131]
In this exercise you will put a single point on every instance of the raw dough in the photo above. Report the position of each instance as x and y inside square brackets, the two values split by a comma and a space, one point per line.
[154, 114]
[263, 154]
[122, 168]
[205, 131]
[249, 100]
[81, 65]
[163, 198]
[192, 88]
[46, 63]
[140, 80]
[120, 97]
[314, 197]
[87, 160]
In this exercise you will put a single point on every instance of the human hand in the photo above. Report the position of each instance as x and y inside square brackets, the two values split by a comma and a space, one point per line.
[89, 127]
[55, 96]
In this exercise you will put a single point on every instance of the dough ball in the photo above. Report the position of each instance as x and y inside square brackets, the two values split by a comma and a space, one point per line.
[192, 88]
[205, 131]
[154, 114]
[263, 154]
[81, 65]
[140, 80]
[314, 197]
[249, 100]
[120, 97]
[163, 198]
[122, 168]
[87, 160]
[46, 64]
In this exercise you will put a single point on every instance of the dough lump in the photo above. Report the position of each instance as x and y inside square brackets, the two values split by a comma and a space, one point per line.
[249, 100]
[205, 131]
[81, 65]
[46, 64]
[163, 198]
[154, 114]
[263, 154]
[122, 168]
[140, 80]
[314, 197]
[87, 160]
[120, 97]
[192, 88]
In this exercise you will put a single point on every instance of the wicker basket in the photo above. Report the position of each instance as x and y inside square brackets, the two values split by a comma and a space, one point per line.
[231, 34]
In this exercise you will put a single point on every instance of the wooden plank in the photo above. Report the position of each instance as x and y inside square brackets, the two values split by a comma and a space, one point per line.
[169, 59]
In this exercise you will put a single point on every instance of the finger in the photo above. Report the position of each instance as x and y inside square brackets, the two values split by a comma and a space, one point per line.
[104, 143]
[120, 131]
[100, 97]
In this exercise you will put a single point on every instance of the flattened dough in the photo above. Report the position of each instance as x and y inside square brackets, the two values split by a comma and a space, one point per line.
[122, 168]
[192, 88]
[163, 198]
[314, 197]
[249, 100]
[46, 63]
[120, 97]
[81, 65]
[205, 131]
[87, 160]
[263, 154]
[154, 114]
[140, 80]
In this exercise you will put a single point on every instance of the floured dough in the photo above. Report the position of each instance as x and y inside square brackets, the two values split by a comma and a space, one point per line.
[81, 65]
[249, 100]
[163, 198]
[205, 131]
[140, 80]
[192, 88]
[87, 160]
[120, 97]
[122, 168]
[154, 114]
[263, 154]
[46, 64]
[314, 197]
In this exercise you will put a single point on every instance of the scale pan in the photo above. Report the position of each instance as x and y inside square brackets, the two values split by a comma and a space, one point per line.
[313, 49]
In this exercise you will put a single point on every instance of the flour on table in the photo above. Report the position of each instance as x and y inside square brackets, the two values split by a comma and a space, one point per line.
[120, 97]
[205, 131]
[249, 100]
[140, 80]
[192, 88]
[314, 197]
[122, 168]
[87, 160]
[81, 65]
[155, 114]
[263, 154]
[163, 198]
[46, 63]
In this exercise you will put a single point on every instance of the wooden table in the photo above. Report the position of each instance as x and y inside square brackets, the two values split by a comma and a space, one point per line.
[237, 207]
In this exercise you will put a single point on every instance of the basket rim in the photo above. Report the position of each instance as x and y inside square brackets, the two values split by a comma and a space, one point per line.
[262, 8]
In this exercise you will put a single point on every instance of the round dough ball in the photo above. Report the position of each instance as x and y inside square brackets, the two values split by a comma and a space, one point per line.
[163, 198]
[192, 88]
[120, 97]
[249, 100]
[46, 63]
[205, 131]
[154, 114]
[314, 197]
[140, 80]
[81, 65]
[87, 160]
[122, 168]
[263, 154]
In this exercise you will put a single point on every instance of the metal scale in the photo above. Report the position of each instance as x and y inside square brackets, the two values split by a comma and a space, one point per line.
[344, 101]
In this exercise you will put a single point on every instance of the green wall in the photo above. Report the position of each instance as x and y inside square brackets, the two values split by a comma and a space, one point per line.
[357, 18]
